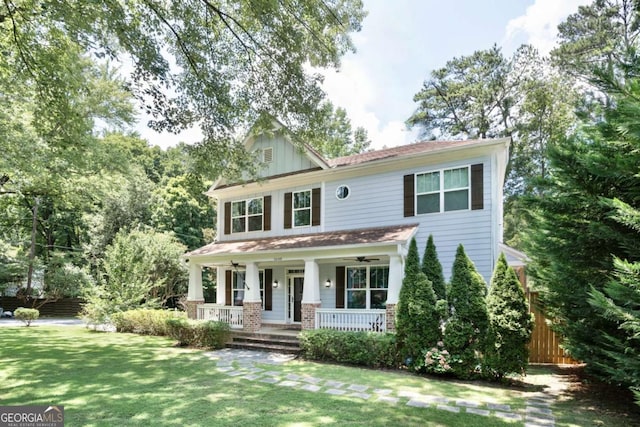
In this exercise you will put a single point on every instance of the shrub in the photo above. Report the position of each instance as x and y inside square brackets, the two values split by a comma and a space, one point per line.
[27, 315]
[432, 268]
[371, 349]
[198, 333]
[466, 329]
[510, 324]
[418, 321]
[144, 321]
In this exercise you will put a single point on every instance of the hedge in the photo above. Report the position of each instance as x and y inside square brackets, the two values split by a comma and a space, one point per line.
[198, 333]
[371, 349]
[145, 321]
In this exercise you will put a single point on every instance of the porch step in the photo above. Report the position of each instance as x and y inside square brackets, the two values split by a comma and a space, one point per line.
[274, 342]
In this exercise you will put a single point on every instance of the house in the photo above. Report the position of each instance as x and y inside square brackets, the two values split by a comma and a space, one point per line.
[321, 243]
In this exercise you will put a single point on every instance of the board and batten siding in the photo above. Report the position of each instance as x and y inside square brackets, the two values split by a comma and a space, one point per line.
[378, 200]
[286, 157]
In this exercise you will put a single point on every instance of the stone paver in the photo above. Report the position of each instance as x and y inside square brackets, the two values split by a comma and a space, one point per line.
[537, 413]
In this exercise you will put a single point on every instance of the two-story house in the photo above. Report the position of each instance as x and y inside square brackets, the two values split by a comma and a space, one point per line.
[322, 242]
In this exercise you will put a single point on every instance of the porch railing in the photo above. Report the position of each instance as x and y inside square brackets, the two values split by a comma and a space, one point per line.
[351, 319]
[221, 313]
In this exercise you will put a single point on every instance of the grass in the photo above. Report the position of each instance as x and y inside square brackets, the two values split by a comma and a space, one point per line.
[107, 379]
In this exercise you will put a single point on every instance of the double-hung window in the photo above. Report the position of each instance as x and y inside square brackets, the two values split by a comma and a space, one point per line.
[247, 215]
[443, 190]
[367, 287]
[239, 287]
[302, 208]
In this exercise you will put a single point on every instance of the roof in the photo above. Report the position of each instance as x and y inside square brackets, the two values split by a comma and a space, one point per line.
[363, 236]
[403, 151]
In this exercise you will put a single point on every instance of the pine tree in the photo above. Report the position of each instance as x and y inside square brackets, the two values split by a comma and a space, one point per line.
[466, 328]
[510, 323]
[417, 322]
[432, 268]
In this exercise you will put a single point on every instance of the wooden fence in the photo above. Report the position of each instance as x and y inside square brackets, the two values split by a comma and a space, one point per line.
[65, 307]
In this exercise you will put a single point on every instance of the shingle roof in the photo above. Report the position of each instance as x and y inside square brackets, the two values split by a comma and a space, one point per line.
[400, 151]
[377, 235]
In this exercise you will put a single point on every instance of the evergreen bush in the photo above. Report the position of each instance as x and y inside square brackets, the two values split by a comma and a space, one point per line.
[432, 268]
[417, 319]
[466, 329]
[197, 333]
[510, 324]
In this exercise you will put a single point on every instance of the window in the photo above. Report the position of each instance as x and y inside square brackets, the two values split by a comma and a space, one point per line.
[442, 191]
[367, 287]
[342, 192]
[246, 215]
[302, 208]
[238, 287]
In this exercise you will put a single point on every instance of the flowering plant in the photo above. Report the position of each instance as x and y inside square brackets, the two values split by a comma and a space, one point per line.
[438, 359]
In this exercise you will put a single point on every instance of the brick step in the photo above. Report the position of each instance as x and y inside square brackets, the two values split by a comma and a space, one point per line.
[264, 346]
[266, 341]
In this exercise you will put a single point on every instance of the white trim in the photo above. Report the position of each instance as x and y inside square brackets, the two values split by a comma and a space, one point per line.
[246, 215]
[441, 190]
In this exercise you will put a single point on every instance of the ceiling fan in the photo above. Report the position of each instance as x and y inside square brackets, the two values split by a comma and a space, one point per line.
[362, 259]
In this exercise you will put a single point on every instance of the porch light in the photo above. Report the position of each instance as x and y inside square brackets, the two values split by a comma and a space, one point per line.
[275, 283]
[327, 284]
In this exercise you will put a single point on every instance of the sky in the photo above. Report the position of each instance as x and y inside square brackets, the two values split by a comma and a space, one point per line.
[402, 41]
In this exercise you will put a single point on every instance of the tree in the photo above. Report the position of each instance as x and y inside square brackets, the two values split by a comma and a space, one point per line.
[140, 269]
[466, 329]
[336, 137]
[602, 35]
[510, 323]
[619, 302]
[470, 97]
[224, 63]
[574, 233]
[417, 321]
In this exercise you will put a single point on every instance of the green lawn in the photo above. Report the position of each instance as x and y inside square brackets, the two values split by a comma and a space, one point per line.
[108, 379]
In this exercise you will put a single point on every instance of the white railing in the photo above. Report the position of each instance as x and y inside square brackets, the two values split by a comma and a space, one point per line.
[221, 313]
[351, 319]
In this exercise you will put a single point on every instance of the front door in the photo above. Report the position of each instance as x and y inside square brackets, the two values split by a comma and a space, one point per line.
[295, 298]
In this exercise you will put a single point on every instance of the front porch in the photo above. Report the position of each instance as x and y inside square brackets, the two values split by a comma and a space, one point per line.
[374, 320]
[343, 280]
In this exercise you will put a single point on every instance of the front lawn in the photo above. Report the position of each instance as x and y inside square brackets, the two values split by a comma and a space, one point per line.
[108, 379]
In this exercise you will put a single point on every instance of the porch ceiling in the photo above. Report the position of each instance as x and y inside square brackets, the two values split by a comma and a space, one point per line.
[363, 237]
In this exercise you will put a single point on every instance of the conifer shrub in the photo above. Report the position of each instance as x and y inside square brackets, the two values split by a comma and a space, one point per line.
[510, 324]
[466, 329]
[417, 319]
[432, 268]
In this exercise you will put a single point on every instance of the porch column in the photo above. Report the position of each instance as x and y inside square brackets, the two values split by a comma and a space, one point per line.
[310, 294]
[221, 286]
[251, 303]
[194, 293]
[393, 293]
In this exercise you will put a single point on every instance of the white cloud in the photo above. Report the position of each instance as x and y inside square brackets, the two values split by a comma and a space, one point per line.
[353, 89]
[539, 25]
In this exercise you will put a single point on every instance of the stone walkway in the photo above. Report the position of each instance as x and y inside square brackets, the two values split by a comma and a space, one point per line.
[242, 364]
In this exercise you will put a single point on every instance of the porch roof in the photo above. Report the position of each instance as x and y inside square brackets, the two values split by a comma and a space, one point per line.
[395, 234]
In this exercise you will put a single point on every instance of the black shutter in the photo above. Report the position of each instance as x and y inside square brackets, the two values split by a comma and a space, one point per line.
[409, 195]
[268, 289]
[477, 187]
[287, 209]
[266, 212]
[315, 206]
[227, 218]
[228, 289]
[339, 287]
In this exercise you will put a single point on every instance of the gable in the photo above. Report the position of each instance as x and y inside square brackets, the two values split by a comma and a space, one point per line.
[285, 157]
